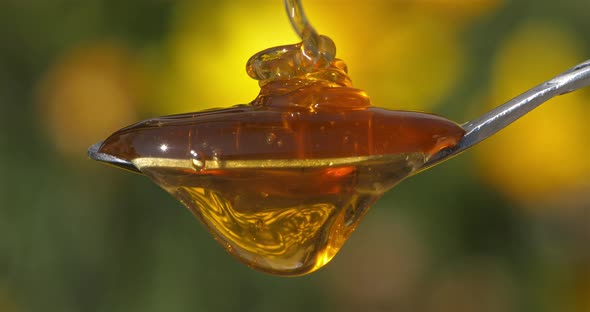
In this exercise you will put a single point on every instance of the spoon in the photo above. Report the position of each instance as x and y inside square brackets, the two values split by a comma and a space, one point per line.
[476, 130]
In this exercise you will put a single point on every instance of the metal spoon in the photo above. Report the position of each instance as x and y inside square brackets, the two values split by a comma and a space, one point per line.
[476, 130]
[500, 117]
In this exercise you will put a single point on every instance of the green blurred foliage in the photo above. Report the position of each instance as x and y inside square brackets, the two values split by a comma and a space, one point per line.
[78, 236]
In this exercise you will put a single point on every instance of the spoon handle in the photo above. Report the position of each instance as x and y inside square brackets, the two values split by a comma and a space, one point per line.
[495, 120]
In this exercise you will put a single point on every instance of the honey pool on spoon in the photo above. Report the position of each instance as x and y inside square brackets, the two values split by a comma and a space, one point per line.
[283, 181]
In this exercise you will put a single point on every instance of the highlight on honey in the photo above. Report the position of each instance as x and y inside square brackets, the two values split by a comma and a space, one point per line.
[283, 181]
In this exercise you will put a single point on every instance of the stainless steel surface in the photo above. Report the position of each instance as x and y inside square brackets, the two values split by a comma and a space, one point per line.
[110, 159]
[476, 130]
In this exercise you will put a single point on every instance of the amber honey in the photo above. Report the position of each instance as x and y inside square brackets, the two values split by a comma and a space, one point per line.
[285, 217]
[282, 190]
[283, 181]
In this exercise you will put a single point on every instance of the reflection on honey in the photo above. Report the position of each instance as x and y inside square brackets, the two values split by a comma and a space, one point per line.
[285, 218]
[283, 181]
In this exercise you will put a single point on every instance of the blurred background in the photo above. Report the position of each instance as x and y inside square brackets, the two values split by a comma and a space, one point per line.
[504, 227]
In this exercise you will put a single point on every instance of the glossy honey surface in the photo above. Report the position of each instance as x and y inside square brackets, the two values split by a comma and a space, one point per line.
[283, 181]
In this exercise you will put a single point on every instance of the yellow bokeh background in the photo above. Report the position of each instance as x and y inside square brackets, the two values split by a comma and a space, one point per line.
[546, 153]
[503, 227]
[413, 47]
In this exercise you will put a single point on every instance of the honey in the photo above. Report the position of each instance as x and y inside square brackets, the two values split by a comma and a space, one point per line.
[287, 217]
[283, 181]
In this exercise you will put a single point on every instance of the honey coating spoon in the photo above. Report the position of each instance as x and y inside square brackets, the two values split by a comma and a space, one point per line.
[476, 130]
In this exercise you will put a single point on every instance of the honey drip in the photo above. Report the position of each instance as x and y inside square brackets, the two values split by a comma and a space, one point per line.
[282, 182]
